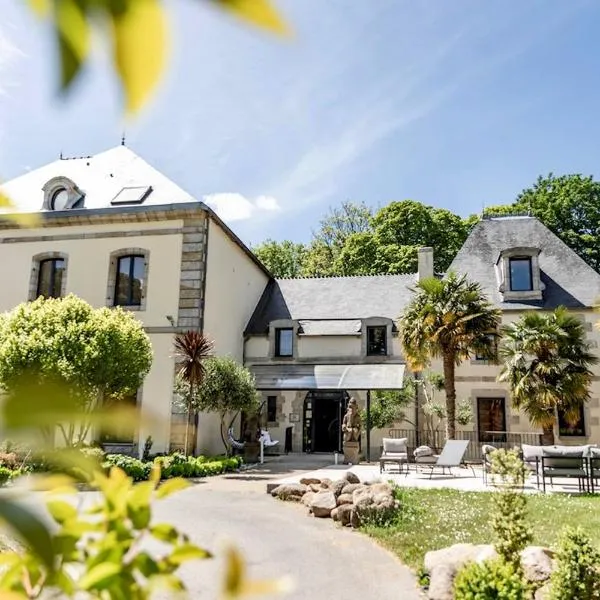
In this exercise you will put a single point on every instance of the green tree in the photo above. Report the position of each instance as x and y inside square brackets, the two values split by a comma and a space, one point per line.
[449, 319]
[228, 387]
[569, 205]
[192, 348]
[546, 363]
[98, 354]
[387, 406]
[282, 259]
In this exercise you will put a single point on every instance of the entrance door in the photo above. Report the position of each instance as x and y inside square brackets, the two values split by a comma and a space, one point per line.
[323, 414]
[491, 419]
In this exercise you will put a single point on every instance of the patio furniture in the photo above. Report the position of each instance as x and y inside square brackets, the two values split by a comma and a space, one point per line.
[424, 456]
[593, 468]
[394, 452]
[486, 454]
[566, 463]
[452, 455]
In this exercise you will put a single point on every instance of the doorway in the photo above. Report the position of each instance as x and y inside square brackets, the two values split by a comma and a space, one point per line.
[323, 415]
[491, 420]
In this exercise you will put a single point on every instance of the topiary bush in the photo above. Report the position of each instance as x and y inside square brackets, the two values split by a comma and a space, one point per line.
[578, 574]
[490, 580]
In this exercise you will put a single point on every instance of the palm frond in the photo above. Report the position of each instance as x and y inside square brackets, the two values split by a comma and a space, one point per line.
[192, 348]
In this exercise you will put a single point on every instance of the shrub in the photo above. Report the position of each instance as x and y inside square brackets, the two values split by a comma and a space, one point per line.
[578, 574]
[490, 580]
[510, 506]
[5, 475]
[9, 460]
[133, 467]
[93, 453]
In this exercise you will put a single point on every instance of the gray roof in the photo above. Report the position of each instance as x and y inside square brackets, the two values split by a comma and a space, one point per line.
[331, 298]
[569, 280]
[330, 327]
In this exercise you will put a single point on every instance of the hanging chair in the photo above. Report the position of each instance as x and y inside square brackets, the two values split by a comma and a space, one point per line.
[234, 443]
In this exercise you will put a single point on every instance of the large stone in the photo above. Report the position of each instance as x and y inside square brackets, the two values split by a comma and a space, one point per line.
[344, 499]
[350, 477]
[289, 491]
[310, 481]
[334, 514]
[350, 487]
[337, 487]
[315, 487]
[307, 498]
[441, 583]
[323, 503]
[381, 488]
[326, 483]
[537, 563]
[344, 514]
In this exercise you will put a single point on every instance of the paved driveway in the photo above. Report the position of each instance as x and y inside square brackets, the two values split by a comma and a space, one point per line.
[279, 539]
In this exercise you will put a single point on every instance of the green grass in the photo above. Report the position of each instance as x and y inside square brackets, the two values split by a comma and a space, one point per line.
[433, 519]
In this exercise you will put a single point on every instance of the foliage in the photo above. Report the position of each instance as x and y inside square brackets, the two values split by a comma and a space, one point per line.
[228, 387]
[452, 319]
[99, 551]
[132, 467]
[95, 353]
[6, 474]
[509, 517]
[490, 580]
[577, 576]
[283, 259]
[192, 348]
[137, 36]
[547, 366]
[569, 205]
[387, 406]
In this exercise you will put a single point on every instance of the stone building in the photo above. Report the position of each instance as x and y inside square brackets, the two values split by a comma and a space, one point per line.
[115, 231]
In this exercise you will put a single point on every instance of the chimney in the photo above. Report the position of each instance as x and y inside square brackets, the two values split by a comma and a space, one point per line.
[425, 263]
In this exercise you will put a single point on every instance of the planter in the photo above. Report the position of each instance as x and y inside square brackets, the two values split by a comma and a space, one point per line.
[251, 452]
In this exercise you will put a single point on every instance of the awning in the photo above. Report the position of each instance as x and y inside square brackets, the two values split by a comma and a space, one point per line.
[329, 377]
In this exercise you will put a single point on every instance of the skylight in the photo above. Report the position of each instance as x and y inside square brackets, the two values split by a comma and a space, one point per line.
[132, 195]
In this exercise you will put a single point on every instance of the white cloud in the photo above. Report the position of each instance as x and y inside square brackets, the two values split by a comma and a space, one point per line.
[232, 206]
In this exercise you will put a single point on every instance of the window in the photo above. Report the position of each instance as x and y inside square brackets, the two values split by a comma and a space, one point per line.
[60, 199]
[123, 431]
[520, 274]
[271, 409]
[129, 281]
[493, 341]
[491, 420]
[284, 342]
[50, 277]
[571, 429]
[377, 341]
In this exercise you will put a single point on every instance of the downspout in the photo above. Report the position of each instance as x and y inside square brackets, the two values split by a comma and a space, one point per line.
[368, 426]
[418, 393]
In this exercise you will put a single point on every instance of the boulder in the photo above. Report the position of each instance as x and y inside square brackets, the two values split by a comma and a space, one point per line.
[326, 483]
[537, 563]
[381, 488]
[344, 514]
[307, 498]
[323, 503]
[289, 491]
[344, 499]
[441, 583]
[315, 487]
[334, 514]
[354, 516]
[350, 477]
[337, 487]
[350, 487]
[310, 481]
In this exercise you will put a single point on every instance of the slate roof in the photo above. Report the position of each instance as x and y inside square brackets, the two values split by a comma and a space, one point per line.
[331, 298]
[569, 280]
[330, 327]
[101, 177]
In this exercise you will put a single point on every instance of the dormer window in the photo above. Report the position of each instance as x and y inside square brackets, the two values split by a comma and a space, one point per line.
[377, 340]
[60, 199]
[518, 274]
[60, 193]
[284, 342]
[521, 279]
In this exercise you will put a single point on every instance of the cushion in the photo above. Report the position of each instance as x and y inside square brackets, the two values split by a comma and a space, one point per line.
[423, 451]
[594, 452]
[487, 449]
[391, 445]
[563, 457]
[530, 453]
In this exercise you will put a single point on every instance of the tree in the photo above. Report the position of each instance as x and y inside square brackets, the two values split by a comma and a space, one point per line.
[449, 319]
[282, 259]
[569, 205]
[227, 388]
[97, 355]
[387, 406]
[191, 351]
[547, 367]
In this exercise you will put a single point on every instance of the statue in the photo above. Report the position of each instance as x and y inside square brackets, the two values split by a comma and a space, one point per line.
[351, 429]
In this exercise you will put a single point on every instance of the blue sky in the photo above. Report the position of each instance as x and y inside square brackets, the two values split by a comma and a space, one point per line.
[456, 103]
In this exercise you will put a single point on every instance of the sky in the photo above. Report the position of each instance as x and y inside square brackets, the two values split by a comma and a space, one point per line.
[455, 103]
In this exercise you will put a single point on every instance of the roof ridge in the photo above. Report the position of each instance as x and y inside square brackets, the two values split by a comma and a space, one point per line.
[328, 277]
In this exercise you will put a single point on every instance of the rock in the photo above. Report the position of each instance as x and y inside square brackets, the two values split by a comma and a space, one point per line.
[337, 487]
[315, 487]
[323, 503]
[334, 514]
[344, 514]
[350, 477]
[443, 565]
[350, 487]
[344, 499]
[307, 498]
[310, 481]
[381, 488]
[537, 563]
[354, 517]
[289, 491]
[326, 483]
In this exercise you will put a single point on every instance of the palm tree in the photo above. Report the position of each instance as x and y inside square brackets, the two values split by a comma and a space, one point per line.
[547, 367]
[192, 348]
[449, 319]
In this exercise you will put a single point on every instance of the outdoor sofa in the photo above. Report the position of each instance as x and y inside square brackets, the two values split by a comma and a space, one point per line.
[394, 452]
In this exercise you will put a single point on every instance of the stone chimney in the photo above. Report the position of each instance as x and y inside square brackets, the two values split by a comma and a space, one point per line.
[425, 263]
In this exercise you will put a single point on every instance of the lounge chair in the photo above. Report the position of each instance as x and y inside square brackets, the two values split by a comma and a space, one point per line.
[394, 452]
[266, 441]
[452, 455]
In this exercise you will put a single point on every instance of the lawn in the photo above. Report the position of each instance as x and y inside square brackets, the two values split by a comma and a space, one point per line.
[433, 519]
